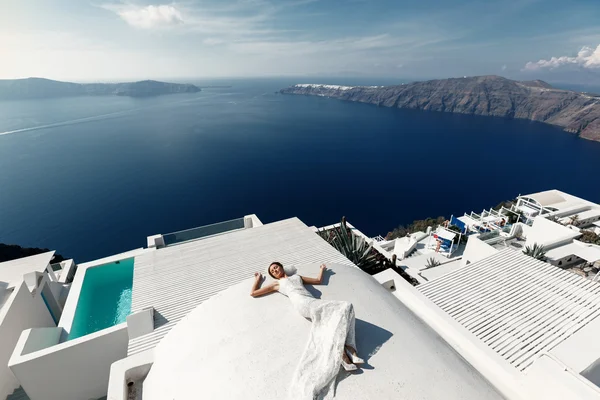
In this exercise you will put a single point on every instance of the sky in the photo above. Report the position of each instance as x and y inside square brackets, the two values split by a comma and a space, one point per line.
[79, 40]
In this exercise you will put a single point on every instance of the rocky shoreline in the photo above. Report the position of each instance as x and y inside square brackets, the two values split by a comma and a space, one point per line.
[10, 252]
[576, 113]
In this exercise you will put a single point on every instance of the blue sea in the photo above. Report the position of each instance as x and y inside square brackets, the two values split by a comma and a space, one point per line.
[94, 176]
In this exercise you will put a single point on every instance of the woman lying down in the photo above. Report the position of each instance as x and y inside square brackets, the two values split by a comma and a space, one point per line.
[332, 339]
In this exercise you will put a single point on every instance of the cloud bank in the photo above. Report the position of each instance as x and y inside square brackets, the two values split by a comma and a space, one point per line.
[587, 57]
[148, 17]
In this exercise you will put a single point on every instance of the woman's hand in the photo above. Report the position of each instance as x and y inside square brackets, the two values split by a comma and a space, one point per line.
[257, 291]
[315, 281]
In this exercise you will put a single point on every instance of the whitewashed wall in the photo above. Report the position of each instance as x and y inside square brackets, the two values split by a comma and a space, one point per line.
[22, 311]
[74, 370]
[476, 250]
[549, 234]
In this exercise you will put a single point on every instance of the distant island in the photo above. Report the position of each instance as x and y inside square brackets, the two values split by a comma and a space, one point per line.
[537, 100]
[31, 88]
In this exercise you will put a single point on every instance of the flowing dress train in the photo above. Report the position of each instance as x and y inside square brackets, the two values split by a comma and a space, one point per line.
[332, 328]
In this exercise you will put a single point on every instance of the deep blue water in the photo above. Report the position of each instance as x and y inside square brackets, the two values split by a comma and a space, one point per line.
[138, 167]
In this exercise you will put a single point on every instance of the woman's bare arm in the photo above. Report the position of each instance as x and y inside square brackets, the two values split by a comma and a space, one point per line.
[315, 281]
[258, 291]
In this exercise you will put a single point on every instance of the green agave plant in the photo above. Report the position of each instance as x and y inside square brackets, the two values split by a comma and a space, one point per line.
[355, 248]
[432, 263]
[536, 251]
[574, 219]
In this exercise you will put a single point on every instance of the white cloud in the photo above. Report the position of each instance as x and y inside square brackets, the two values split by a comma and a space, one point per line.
[213, 41]
[504, 67]
[586, 58]
[148, 17]
[303, 47]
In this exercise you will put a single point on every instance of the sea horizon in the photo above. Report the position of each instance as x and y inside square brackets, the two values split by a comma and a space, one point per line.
[94, 176]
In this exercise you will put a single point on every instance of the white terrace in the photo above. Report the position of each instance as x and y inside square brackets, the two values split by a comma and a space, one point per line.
[560, 204]
[234, 346]
[175, 279]
[517, 305]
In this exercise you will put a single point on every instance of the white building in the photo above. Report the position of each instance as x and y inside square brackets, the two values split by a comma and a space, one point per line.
[250, 346]
[559, 204]
[552, 219]
[31, 296]
[489, 323]
[539, 320]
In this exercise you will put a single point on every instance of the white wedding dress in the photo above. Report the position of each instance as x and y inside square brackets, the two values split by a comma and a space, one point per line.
[332, 328]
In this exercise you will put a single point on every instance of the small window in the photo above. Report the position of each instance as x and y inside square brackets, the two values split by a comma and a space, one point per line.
[570, 258]
[560, 263]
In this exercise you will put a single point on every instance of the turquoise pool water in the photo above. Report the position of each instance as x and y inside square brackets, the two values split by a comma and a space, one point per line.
[105, 298]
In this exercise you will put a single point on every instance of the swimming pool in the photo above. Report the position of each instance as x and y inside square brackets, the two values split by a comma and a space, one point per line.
[105, 298]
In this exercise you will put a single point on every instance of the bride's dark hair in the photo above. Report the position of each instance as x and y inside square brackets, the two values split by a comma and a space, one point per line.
[269, 269]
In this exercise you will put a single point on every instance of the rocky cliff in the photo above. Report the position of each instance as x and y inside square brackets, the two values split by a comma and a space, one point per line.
[10, 252]
[483, 95]
[45, 88]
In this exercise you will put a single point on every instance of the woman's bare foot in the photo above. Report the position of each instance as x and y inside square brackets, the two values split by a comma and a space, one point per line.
[346, 358]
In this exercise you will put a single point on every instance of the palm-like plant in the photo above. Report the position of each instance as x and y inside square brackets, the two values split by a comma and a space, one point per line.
[536, 251]
[355, 248]
[574, 219]
[432, 262]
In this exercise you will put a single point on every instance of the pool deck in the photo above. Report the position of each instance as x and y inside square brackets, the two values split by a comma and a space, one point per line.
[175, 279]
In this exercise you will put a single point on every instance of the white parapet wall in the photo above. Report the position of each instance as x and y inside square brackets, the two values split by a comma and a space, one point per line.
[251, 221]
[129, 371]
[78, 369]
[68, 270]
[21, 311]
[155, 241]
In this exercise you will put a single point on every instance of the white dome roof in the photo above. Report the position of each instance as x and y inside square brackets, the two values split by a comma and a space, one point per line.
[234, 346]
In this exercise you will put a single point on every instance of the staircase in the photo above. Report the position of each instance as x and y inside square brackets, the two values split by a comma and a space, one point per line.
[414, 253]
[18, 394]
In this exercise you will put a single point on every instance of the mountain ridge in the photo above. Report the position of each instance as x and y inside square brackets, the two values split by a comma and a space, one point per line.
[489, 95]
[28, 88]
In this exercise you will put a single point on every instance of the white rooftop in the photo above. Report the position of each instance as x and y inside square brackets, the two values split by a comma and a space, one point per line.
[588, 252]
[441, 270]
[519, 306]
[12, 271]
[175, 279]
[548, 198]
[594, 212]
[558, 199]
[234, 346]
[548, 233]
